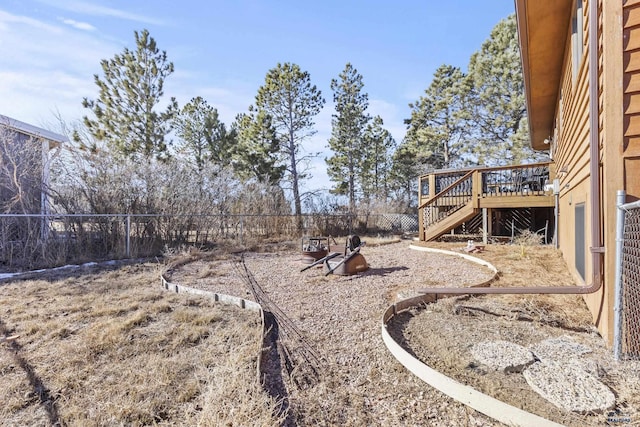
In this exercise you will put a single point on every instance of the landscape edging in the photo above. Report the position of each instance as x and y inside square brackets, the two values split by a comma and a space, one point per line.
[224, 299]
[468, 257]
[471, 397]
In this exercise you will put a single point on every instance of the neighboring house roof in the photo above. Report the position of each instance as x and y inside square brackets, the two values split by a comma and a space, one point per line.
[543, 27]
[34, 131]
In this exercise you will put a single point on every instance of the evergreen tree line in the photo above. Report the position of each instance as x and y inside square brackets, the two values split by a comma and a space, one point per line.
[477, 118]
[472, 118]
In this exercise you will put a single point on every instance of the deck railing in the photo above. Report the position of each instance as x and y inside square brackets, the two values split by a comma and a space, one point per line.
[521, 180]
[447, 201]
[444, 192]
[529, 179]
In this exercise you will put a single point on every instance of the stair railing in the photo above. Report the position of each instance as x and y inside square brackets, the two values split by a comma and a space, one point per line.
[447, 201]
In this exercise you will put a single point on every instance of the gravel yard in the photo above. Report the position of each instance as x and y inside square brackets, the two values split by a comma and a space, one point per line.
[360, 382]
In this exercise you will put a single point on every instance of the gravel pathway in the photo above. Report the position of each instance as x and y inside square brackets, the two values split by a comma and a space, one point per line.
[361, 383]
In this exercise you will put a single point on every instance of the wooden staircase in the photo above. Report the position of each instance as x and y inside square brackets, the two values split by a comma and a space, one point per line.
[450, 222]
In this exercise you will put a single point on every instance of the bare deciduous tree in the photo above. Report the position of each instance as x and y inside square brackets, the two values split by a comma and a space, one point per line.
[21, 172]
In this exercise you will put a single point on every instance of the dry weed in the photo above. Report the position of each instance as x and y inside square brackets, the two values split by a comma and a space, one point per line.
[528, 238]
[113, 348]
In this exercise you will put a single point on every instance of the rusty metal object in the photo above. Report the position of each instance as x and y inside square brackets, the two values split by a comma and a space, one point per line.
[321, 260]
[314, 249]
[346, 266]
[352, 262]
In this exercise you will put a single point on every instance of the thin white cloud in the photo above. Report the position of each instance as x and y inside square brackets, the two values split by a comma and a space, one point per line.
[30, 42]
[46, 67]
[78, 25]
[87, 8]
[7, 20]
[34, 99]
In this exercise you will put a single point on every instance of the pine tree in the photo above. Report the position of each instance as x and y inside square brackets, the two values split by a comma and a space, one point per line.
[256, 153]
[405, 169]
[292, 102]
[347, 134]
[125, 111]
[478, 118]
[376, 166]
[438, 125]
[203, 137]
[496, 102]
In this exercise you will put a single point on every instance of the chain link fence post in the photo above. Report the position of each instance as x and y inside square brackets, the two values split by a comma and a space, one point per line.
[627, 304]
[127, 233]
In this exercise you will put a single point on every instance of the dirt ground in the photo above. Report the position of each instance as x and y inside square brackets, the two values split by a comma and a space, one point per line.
[363, 385]
[328, 323]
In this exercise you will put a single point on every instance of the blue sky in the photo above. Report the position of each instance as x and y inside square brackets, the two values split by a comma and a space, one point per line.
[50, 50]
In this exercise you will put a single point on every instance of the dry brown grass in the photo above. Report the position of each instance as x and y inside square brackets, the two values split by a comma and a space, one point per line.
[110, 348]
[113, 348]
[533, 266]
[455, 324]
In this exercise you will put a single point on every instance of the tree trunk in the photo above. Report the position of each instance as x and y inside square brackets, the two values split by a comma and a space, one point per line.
[352, 191]
[294, 182]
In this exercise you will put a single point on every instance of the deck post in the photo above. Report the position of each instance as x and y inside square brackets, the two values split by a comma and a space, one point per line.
[476, 191]
[421, 224]
[432, 185]
[485, 226]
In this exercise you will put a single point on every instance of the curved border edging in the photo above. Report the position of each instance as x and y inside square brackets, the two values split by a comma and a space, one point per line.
[471, 397]
[224, 299]
[492, 407]
[464, 256]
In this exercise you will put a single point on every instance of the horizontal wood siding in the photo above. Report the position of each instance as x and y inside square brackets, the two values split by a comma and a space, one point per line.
[631, 87]
[573, 156]
[572, 147]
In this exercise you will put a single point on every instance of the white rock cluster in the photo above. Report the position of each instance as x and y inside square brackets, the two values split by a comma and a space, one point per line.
[552, 368]
[569, 387]
[502, 355]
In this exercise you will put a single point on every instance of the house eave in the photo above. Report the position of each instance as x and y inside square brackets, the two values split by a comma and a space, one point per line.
[53, 138]
[543, 27]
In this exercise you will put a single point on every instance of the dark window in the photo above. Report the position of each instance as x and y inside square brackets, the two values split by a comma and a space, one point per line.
[580, 243]
[577, 38]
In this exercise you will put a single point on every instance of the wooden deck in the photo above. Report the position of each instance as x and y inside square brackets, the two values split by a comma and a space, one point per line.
[449, 198]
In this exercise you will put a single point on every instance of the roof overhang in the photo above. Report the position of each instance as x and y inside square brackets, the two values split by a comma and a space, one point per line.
[54, 139]
[543, 27]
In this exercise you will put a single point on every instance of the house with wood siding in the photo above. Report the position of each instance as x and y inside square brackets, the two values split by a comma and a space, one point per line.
[581, 65]
[25, 157]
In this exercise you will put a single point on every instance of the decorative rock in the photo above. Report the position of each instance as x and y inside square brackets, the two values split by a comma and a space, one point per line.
[566, 351]
[569, 387]
[587, 365]
[502, 355]
[558, 349]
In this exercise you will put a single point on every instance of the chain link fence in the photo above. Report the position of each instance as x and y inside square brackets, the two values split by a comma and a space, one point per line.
[36, 241]
[629, 299]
